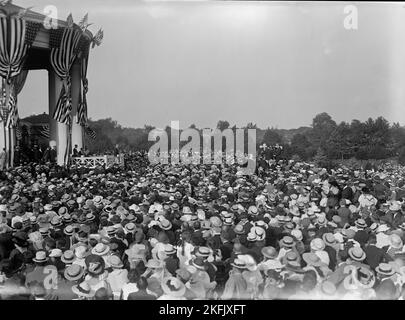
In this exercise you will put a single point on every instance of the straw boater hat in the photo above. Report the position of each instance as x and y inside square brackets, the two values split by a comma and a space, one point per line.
[203, 252]
[170, 249]
[55, 253]
[239, 229]
[269, 252]
[68, 257]
[287, 242]
[317, 244]
[81, 252]
[173, 287]
[297, 234]
[291, 262]
[83, 289]
[100, 249]
[115, 262]
[239, 264]
[74, 272]
[165, 224]
[329, 239]
[357, 254]
[154, 264]
[385, 269]
[40, 256]
[360, 223]
[130, 227]
[198, 262]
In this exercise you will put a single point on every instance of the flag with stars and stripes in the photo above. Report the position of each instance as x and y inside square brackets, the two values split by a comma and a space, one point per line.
[90, 132]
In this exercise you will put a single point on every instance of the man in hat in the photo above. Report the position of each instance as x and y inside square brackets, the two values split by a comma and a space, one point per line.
[394, 216]
[43, 272]
[236, 286]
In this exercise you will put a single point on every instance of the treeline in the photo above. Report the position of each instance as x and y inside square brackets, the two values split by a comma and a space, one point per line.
[323, 140]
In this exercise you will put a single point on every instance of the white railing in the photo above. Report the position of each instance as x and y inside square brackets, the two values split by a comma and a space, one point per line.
[92, 162]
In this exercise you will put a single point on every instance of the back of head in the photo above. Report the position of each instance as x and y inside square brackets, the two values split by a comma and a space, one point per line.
[142, 283]
[102, 294]
[133, 275]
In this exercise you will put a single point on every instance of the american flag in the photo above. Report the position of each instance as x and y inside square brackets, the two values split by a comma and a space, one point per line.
[13, 111]
[98, 38]
[12, 46]
[63, 108]
[18, 133]
[62, 58]
[43, 131]
[90, 132]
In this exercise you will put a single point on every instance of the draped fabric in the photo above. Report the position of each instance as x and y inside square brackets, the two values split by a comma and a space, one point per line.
[62, 58]
[82, 108]
[90, 132]
[13, 48]
[17, 83]
[16, 36]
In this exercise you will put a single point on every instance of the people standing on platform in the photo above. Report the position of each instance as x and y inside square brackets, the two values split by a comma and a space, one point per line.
[53, 154]
[75, 151]
[17, 157]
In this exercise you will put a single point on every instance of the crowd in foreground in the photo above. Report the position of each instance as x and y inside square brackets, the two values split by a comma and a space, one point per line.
[294, 231]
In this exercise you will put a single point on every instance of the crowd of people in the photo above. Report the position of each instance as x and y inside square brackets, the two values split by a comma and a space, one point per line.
[294, 231]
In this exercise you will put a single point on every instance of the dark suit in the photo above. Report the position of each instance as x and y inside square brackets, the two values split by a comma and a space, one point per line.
[395, 218]
[141, 295]
[347, 193]
[375, 255]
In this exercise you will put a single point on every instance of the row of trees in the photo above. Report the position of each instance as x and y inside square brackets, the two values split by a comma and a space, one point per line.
[324, 139]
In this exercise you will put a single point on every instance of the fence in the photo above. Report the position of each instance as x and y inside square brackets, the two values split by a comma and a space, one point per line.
[96, 161]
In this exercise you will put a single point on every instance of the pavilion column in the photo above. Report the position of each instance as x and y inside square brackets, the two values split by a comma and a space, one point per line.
[2, 136]
[77, 129]
[57, 131]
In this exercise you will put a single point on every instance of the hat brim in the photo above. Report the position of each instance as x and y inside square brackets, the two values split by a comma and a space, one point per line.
[106, 250]
[82, 294]
[75, 278]
[40, 261]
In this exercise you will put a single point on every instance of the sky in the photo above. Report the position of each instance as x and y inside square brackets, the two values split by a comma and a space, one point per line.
[275, 64]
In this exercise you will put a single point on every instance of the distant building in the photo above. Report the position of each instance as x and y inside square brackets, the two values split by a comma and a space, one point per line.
[35, 130]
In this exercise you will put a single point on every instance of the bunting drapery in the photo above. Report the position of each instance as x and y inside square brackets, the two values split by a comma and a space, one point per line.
[16, 37]
[17, 83]
[82, 107]
[63, 54]
[62, 58]
[13, 48]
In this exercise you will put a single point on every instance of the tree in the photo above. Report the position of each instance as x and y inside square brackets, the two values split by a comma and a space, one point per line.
[320, 158]
[339, 144]
[222, 125]
[322, 127]
[271, 137]
[300, 146]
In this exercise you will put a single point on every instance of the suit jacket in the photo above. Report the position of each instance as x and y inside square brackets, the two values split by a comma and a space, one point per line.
[347, 193]
[394, 219]
[375, 255]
